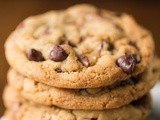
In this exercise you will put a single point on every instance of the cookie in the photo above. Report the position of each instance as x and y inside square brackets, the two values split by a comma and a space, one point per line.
[109, 97]
[19, 109]
[80, 47]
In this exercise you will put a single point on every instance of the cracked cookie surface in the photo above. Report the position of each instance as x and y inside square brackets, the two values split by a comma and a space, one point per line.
[20, 109]
[113, 96]
[80, 47]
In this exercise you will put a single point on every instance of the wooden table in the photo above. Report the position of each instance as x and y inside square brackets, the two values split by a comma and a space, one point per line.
[12, 12]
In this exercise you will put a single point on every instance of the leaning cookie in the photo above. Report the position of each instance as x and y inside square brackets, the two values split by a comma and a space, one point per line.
[80, 47]
[20, 109]
[109, 97]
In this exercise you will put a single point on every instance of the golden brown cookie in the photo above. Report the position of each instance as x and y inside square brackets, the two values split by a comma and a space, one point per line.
[20, 109]
[113, 96]
[80, 47]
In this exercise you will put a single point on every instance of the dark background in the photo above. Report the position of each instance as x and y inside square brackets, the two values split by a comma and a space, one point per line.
[147, 12]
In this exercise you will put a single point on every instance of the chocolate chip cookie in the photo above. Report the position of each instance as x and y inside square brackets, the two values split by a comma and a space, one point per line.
[113, 96]
[20, 109]
[80, 47]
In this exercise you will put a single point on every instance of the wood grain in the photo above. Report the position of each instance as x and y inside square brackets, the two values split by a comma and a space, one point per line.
[12, 12]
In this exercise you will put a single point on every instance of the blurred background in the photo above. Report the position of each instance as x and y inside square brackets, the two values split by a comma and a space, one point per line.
[12, 12]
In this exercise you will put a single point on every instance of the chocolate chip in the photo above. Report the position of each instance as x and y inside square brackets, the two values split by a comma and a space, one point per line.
[67, 43]
[84, 60]
[93, 118]
[58, 70]
[35, 55]
[127, 63]
[142, 102]
[36, 83]
[58, 54]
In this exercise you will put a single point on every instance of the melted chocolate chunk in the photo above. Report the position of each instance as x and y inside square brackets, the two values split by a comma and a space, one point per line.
[84, 60]
[58, 70]
[58, 54]
[93, 118]
[35, 55]
[127, 63]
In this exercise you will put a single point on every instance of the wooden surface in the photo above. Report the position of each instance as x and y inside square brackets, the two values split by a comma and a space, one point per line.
[147, 12]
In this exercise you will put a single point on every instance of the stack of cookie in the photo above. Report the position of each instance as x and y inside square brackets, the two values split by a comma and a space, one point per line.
[81, 63]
